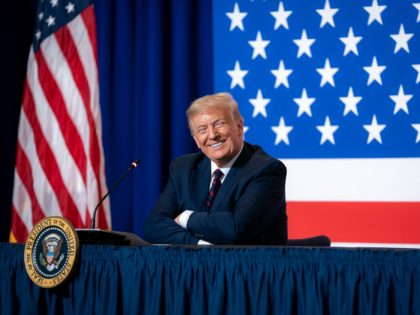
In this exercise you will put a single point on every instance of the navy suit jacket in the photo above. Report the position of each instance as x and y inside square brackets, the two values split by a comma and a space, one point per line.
[249, 208]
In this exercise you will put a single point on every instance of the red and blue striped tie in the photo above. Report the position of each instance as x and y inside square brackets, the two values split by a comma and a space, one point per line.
[215, 185]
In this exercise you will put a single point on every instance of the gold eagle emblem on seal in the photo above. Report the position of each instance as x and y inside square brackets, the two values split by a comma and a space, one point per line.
[51, 252]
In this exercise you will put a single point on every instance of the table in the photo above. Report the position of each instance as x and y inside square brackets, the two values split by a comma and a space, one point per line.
[219, 280]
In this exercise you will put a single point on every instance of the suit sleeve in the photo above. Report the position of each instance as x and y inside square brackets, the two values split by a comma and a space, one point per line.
[160, 227]
[259, 202]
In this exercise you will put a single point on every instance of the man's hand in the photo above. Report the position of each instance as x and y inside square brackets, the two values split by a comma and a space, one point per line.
[182, 218]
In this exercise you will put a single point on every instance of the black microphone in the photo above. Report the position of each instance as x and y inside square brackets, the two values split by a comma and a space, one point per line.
[132, 166]
[98, 236]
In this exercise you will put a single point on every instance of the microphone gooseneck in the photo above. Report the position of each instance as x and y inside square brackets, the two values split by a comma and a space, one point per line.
[132, 166]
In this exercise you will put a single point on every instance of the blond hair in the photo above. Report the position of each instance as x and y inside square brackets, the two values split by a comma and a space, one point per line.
[219, 100]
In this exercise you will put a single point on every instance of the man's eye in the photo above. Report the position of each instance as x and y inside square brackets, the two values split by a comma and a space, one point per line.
[219, 124]
[201, 130]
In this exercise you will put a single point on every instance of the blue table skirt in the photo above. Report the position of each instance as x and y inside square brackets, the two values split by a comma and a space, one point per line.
[220, 280]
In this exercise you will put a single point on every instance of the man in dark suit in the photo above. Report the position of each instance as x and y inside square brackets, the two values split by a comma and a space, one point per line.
[231, 192]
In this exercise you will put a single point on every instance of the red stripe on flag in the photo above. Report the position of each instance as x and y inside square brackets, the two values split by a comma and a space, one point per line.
[88, 17]
[49, 164]
[23, 168]
[365, 222]
[69, 50]
[19, 231]
[57, 104]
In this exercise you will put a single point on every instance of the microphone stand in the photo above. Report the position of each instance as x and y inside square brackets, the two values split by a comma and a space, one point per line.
[98, 236]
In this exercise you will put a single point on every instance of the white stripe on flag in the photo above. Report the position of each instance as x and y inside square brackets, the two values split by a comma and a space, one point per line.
[41, 185]
[22, 202]
[374, 245]
[84, 47]
[391, 179]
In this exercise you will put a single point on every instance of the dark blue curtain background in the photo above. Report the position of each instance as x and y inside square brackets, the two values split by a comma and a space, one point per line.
[155, 57]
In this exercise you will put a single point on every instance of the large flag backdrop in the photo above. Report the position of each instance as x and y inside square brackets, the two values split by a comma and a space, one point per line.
[59, 161]
[332, 89]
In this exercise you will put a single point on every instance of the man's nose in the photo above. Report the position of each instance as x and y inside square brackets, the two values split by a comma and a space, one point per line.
[213, 133]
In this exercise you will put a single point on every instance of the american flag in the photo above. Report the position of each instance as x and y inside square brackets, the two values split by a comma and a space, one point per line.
[60, 162]
[331, 87]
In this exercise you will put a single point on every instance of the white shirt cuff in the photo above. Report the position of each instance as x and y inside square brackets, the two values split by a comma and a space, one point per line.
[184, 217]
[201, 242]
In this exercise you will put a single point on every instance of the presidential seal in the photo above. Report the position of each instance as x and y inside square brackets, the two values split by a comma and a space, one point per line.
[51, 252]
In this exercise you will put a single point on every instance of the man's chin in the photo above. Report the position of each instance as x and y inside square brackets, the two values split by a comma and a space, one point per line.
[219, 159]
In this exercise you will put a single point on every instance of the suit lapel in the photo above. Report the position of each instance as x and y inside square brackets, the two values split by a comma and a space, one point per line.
[199, 183]
[233, 176]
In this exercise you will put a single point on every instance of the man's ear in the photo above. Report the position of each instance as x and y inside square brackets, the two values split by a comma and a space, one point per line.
[240, 124]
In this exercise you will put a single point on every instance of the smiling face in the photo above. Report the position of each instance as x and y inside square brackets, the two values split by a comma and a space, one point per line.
[217, 133]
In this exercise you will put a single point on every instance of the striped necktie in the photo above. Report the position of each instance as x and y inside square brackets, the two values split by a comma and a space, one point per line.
[215, 185]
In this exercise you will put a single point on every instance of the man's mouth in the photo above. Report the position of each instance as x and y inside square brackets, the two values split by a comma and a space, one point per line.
[217, 144]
